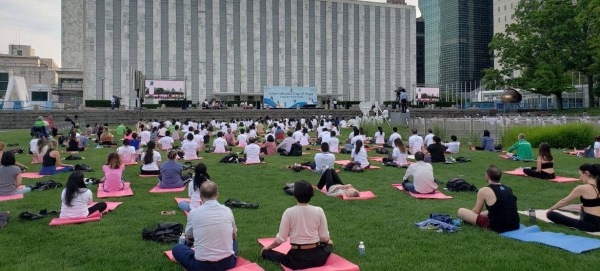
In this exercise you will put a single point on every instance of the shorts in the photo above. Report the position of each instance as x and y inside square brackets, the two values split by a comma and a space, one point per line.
[482, 222]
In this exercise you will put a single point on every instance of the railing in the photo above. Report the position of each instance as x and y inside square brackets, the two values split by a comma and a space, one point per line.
[27, 105]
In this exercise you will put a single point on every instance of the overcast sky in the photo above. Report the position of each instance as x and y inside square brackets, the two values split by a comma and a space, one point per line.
[39, 23]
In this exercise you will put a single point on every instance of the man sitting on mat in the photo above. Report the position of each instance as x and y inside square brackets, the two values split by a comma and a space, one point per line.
[335, 186]
[500, 202]
[213, 229]
[523, 148]
[415, 142]
[286, 144]
[590, 202]
[324, 159]
[422, 173]
[252, 153]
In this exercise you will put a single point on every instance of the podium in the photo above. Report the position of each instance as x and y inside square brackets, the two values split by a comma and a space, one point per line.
[399, 119]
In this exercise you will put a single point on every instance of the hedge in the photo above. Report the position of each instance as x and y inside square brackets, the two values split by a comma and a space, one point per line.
[97, 103]
[574, 135]
[173, 103]
[151, 106]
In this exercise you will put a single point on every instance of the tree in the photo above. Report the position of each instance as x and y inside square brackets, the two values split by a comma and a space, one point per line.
[587, 49]
[540, 46]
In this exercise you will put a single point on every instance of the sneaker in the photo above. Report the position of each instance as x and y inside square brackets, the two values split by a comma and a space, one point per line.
[430, 227]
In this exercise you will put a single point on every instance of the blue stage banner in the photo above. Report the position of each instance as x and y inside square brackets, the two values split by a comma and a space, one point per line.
[287, 97]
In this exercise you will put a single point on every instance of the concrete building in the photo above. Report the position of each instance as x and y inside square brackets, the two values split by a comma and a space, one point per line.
[503, 16]
[22, 61]
[397, 2]
[226, 49]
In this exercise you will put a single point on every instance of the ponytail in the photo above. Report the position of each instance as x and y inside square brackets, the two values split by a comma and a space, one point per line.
[149, 155]
[358, 146]
[380, 130]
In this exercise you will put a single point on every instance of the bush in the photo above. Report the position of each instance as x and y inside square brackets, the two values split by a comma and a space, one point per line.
[173, 103]
[574, 135]
[151, 106]
[97, 103]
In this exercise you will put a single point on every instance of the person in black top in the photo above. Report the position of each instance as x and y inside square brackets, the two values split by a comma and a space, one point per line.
[436, 150]
[590, 202]
[545, 164]
[500, 202]
[73, 143]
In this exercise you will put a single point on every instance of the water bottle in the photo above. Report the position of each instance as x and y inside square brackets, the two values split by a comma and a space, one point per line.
[532, 218]
[182, 238]
[361, 248]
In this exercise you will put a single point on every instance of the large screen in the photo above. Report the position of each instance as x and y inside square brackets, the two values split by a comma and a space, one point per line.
[427, 94]
[160, 89]
[288, 97]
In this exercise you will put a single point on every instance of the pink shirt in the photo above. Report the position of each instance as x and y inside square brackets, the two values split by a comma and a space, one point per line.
[130, 137]
[304, 225]
[113, 178]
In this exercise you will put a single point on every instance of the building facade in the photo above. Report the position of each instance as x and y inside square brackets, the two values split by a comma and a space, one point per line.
[504, 10]
[21, 61]
[226, 49]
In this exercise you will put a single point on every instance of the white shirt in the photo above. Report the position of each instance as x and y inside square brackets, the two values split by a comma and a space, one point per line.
[252, 152]
[198, 139]
[127, 153]
[325, 136]
[415, 143]
[33, 144]
[79, 204]
[194, 195]
[393, 137]
[428, 139]
[189, 149]
[379, 138]
[343, 124]
[324, 159]
[400, 158]
[153, 165]
[155, 124]
[334, 144]
[166, 142]
[320, 130]
[357, 137]
[422, 174]
[596, 148]
[145, 136]
[385, 113]
[242, 140]
[305, 139]
[303, 224]
[453, 146]
[297, 136]
[219, 144]
[212, 226]
[360, 157]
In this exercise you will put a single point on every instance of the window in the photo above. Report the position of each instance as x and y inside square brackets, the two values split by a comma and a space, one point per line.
[504, 7]
[3, 81]
[19, 52]
[505, 18]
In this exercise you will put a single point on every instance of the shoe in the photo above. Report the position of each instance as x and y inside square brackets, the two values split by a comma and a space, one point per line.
[167, 213]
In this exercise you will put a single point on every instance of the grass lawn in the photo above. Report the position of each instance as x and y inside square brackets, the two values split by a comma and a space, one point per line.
[384, 224]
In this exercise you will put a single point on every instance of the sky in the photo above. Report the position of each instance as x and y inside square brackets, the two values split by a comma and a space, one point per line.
[37, 23]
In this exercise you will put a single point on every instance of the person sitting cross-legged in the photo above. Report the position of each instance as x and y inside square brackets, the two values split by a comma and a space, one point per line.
[213, 229]
[113, 173]
[422, 173]
[200, 176]
[286, 145]
[500, 202]
[545, 164]
[171, 173]
[523, 148]
[324, 159]
[252, 153]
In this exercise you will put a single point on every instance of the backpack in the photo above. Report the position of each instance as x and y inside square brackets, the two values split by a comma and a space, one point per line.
[165, 232]
[229, 158]
[83, 167]
[45, 185]
[209, 149]
[289, 189]
[462, 159]
[296, 150]
[234, 203]
[346, 150]
[460, 185]
[589, 153]
[73, 157]
[353, 166]
[16, 151]
[381, 150]
[30, 216]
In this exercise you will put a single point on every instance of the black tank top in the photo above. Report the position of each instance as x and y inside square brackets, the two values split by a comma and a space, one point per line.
[503, 215]
[47, 160]
[591, 202]
[73, 145]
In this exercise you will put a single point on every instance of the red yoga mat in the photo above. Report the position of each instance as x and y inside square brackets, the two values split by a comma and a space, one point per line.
[35, 175]
[436, 195]
[66, 221]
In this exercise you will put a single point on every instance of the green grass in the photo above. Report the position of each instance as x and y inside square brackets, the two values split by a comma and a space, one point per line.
[384, 224]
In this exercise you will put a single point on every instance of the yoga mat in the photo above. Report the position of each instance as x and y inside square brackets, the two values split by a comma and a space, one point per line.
[343, 162]
[13, 197]
[35, 175]
[199, 158]
[575, 153]
[436, 195]
[362, 195]
[571, 243]
[377, 159]
[220, 152]
[247, 164]
[66, 221]
[505, 156]
[334, 262]
[178, 200]
[241, 263]
[123, 193]
[148, 176]
[130, 164]
[541, 215]
[558, 179]
[157, 189]
[305, 153]
[109, 205]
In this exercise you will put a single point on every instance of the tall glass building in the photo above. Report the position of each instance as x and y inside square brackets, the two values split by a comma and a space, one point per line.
[430, 11]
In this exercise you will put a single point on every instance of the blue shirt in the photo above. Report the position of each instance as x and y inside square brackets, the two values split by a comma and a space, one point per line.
[487, 143]
[403, 95]
[171, 174]
[134, 143]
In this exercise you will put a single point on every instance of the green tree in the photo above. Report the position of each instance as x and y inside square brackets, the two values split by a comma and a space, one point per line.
[586, 51]
[539, 46]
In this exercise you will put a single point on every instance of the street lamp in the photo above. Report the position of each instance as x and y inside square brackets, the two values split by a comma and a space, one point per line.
[102, 79]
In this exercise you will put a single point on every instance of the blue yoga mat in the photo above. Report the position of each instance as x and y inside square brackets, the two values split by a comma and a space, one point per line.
[572, 243]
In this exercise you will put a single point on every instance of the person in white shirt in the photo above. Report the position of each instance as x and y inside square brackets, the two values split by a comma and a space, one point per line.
[343, 123]
[286, 144]
[252, 153]
[155, 124]
[76, 198]
[325, 135]
[150, 160]
[219, 143]
[306, 227]
[297, 135]
[33, 142]
[400, 154]
[393, 136]
[379, 136]
[242, 139]
[126, 152]
[324, 159]
[334, 143]
[359, 155]
[429, 137]
[200, 176]
[385, 113]
[415, 142]
[213, 229]
[168, 123]
[422, 173]
[453, 147]
[144, 136]
[198, 139]
[166, 143]
[305, 140]
[320, 129]
[189, 148]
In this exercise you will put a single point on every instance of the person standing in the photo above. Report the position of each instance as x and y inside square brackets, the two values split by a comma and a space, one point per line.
[112, 102]
[403, 100]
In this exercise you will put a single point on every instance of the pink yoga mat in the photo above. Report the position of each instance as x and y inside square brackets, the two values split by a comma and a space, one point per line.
[66, 221]
[109, 205]
[343, 162]
[178, 200]
[558, 179]
[220, 152]
[123, 193]
[13, 197]
[505, 156]
[148, 176]
[319, 150]
[334, 262]
[241, 263]
[157, 189]
[35, 175]
[199, 158]
[377, 159]
[436, 195]
[362, 195]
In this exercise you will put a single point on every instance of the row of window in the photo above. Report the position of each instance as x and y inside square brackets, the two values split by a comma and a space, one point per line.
[511, 7]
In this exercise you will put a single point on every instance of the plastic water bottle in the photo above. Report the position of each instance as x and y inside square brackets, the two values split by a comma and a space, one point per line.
[532, 218]
[361, 248]
[182, 238]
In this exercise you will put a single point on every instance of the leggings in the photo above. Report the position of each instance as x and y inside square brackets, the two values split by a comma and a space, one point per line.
[150, 172]
[98, 207]
[586, 222]
[51, 170]
[540, 175]
[328, 179]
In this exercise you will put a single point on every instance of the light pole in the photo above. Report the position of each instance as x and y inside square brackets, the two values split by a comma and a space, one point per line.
[102, 79]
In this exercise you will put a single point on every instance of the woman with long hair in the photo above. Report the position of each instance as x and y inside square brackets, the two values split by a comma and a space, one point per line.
[154, 134]
[270, 146]
[76, 198]
[545, 164]
[305, 140]
[150, 160]
[200, 176]
[73, 143]
[379, 136]
[113, 173]
[171, 172]
[106, 138]
[51, 161]
[39, 151]
[359, 155]
[400, 153]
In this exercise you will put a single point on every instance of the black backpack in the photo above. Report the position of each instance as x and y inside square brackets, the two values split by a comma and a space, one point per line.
[73, 157]
[346, 150]
[165, 232]
[83, 167]
[229, 158]
[209, 149]
[17, 151]
[462, 159]
[296, 150]
[460, 185]
[381, 150]
[289, 189]
[45, 185]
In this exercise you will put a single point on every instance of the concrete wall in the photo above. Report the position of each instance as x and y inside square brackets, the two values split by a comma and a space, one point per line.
[72, 34]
